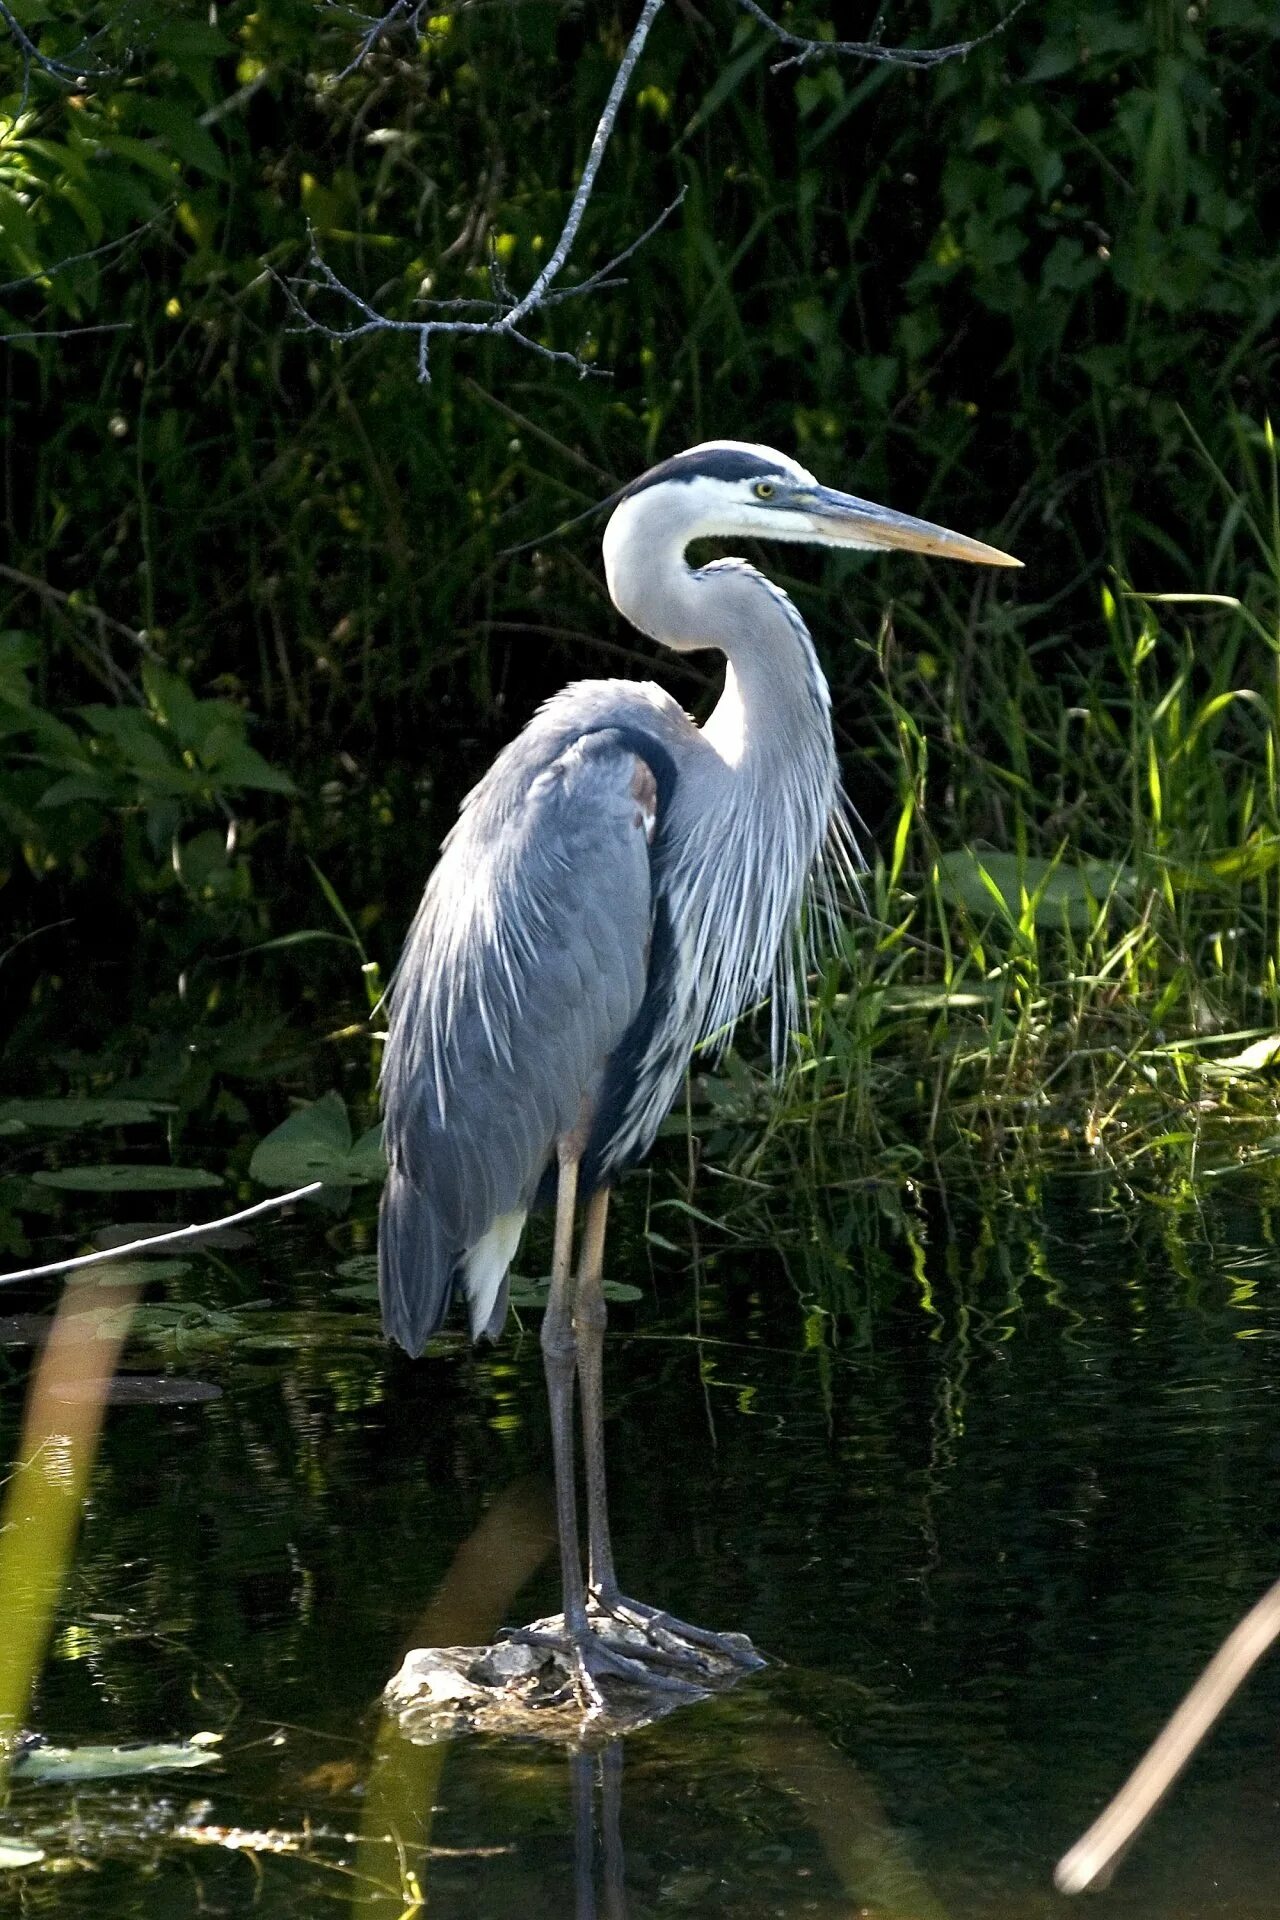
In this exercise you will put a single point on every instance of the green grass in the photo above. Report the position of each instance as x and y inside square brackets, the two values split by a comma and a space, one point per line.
[1069, 947]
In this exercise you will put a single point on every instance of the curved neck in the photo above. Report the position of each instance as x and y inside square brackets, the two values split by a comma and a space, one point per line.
[774, 704]
[775, 701]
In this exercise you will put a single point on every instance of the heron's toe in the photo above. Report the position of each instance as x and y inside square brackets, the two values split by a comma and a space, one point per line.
[674, 1643]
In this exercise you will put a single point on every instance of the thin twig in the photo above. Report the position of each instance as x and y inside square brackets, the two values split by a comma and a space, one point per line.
[161, 1239]
[234, 101]
[594, 282]
[569, 232]
[67, 603]
[65, 333]
[406, 13]
[77, 259]
[807, 49]
[68, 73]
[1089, 1861]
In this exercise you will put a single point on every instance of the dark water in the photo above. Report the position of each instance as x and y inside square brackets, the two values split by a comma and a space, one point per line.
[989, 1533]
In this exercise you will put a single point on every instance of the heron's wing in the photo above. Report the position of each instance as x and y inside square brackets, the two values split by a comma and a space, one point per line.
[523, 971]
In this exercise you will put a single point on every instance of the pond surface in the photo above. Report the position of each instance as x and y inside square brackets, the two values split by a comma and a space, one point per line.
[988, 1536]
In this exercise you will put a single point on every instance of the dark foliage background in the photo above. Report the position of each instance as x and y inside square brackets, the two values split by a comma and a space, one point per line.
[1031, 293]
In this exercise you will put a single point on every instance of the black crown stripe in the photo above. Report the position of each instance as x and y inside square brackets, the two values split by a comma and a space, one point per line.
[710, 463]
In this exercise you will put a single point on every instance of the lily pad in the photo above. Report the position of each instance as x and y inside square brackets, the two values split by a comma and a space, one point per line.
[1261, 1056]
[127, 1179]
[69, 1114]
[316, 1143]
[360, 1271]
[359, 1266]
[13, 1853]
[124, 1233]
[533, 1293]
[39, 1760]
[132, 1273]
[140, 1390]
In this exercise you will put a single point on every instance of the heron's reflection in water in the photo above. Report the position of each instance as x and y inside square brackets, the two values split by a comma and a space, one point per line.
[754, 1745]
[488, 1570]
[597, 1852]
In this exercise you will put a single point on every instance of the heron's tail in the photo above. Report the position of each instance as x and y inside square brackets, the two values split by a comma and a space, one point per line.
[417, 1264]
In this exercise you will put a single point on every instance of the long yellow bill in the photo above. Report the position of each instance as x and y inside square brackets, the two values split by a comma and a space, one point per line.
[845, 520]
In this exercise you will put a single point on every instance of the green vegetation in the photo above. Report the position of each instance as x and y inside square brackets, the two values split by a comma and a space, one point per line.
[269, 607]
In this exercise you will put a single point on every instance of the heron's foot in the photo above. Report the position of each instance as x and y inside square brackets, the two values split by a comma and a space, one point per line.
[674, 1642]
[595, 1658]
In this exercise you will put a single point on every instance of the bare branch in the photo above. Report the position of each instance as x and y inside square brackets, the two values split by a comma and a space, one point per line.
[68, 73]
[602, 277]
[807, 49]
[504, 315]
[161, 1239]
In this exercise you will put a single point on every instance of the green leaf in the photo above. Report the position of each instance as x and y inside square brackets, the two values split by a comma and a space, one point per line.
[19, 232]
[182, 133]
[1262, 1056]
[127, 1179]
[1067, 267]
[302, 938]
[96, 787]
[144, 156]
[315, 1144]
[190, 43]
[176, 706]
[18, 654]
[367, 1159]
[234, 764]
[135, 734]
[1072, 894]
[73, 1113]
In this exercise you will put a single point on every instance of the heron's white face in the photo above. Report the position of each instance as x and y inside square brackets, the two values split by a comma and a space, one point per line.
[724, 489]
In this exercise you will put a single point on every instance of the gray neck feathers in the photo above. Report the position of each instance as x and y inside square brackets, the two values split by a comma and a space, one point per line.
[754, 814]
[764, 816]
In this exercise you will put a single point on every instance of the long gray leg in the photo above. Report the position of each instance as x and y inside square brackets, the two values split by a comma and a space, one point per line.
[673, 1641]
[590, 1315]
[592, 1653]
[558, 1360]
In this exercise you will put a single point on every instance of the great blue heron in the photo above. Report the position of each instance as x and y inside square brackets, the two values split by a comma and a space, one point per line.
[621, 885]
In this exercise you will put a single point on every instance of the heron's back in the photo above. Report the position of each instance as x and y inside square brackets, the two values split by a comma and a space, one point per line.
[524, 973]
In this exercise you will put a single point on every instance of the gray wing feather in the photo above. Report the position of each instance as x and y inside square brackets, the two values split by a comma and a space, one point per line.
[524, 968]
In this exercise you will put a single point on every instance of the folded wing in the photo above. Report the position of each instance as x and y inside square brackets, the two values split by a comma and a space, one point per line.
[522, 973]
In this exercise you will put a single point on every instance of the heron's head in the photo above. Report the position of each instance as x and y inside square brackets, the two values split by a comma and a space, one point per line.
[728, 488]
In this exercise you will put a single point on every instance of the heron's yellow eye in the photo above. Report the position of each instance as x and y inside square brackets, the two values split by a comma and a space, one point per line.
[764, 489]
